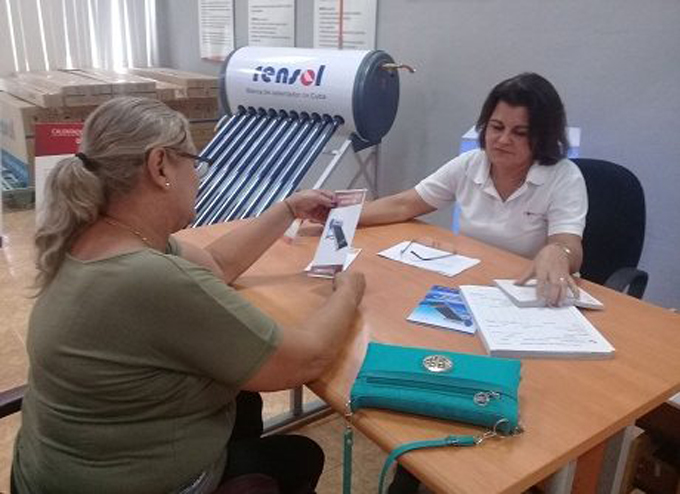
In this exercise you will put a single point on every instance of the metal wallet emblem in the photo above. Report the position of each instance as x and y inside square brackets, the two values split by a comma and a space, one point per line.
[437, 363]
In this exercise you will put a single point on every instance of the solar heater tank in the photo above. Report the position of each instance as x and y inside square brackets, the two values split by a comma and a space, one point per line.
[351, 84]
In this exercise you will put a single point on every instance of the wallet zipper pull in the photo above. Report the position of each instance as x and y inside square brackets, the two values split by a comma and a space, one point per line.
[483, 398]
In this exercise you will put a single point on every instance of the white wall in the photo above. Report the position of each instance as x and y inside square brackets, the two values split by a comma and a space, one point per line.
[616, 64]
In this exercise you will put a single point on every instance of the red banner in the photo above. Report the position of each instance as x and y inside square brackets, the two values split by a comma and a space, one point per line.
[57, 138]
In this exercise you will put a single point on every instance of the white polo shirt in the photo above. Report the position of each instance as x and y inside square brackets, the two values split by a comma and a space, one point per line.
[552, 199]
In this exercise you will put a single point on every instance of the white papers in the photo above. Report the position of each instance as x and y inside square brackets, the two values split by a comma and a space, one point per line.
[338, 232]
[525, 296]
[216, 28]
[271, 22]
[351, 256]
[509, 331]
[358, 27]
[429, 258]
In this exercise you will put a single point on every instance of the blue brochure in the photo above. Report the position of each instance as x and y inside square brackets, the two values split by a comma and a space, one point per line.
[444, 307]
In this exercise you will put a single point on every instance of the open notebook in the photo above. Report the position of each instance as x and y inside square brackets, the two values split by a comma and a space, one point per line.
[511, 331]
[525, 295]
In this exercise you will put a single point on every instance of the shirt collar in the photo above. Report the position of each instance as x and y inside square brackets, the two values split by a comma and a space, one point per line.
[538, 174]
[480, 174]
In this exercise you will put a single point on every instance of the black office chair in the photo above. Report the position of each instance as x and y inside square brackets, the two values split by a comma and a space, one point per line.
[10, 400]
[615, 227]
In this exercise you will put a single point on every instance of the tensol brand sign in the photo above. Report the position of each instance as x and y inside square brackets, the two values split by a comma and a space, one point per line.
[285, 75]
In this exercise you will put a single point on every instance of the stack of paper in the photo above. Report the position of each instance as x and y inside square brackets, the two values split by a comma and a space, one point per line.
[510, 331]
[429, 258]
[525, 296]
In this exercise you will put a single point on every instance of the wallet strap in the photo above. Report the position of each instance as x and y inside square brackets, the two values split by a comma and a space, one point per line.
[348, 443]
[348, 440]
[432, 443]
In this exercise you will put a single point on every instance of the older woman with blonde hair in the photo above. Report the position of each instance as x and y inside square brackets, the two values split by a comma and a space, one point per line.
[138, 347]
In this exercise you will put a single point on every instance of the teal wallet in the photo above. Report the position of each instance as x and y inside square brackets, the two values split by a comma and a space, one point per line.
[467, 388]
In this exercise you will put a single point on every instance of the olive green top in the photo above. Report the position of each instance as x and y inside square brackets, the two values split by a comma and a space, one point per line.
[135, 361]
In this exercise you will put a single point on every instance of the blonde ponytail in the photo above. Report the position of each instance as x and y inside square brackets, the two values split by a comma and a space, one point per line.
[116, 138]
[74, 197]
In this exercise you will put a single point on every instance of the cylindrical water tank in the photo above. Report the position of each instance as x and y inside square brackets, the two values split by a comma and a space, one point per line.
[351, 84]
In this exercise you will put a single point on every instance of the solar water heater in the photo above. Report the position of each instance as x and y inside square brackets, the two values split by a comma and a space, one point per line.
[281, 108]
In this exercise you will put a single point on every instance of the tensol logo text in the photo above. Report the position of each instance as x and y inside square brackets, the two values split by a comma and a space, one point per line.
[286, 76]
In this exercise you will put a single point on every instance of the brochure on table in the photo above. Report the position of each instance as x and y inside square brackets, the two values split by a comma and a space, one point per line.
[351, 256]
[338, 233]
[444, 307]
[525, 296]
[425, 257]
[511, 331]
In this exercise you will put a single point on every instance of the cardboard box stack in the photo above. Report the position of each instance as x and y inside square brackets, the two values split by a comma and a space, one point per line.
[71, 95]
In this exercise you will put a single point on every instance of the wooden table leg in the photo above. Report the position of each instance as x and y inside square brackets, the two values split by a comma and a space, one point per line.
[588, 468]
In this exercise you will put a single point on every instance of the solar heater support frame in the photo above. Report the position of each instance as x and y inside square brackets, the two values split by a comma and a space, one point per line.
[338, 154]
[364, 164]
[372, 158]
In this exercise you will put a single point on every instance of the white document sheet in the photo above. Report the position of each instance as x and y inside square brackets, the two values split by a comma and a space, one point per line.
[216, 28]
[511, 331]
[429, 258]
[358, 26]
[271, 23]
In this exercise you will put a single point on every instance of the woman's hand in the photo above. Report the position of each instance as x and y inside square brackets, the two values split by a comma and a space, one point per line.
[353, 281]
[551, 270]
[311, 205]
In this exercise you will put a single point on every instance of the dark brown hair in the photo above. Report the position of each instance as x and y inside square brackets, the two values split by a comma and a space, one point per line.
[547, 118]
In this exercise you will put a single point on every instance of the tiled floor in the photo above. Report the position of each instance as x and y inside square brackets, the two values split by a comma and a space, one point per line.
[16, 273]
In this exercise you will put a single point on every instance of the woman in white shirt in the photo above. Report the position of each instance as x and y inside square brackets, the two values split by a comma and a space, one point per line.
[518, 192]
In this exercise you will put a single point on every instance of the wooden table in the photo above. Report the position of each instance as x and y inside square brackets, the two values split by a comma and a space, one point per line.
[569, 408]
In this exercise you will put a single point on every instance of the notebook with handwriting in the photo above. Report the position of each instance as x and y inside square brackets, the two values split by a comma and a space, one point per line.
[511, 331]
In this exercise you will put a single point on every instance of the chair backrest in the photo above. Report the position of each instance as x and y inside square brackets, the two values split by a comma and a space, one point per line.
[10, 400]
[615, 225]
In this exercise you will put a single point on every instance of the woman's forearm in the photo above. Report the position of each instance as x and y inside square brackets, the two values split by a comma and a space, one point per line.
[394, 209]
[335, 317]
[572, 247]
[237, 250]
[305, 352]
